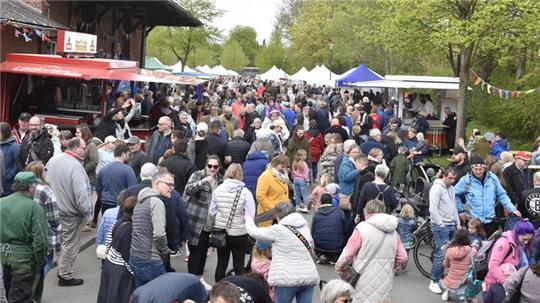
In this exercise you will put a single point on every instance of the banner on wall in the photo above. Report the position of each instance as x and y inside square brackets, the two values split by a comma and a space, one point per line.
[75, 42]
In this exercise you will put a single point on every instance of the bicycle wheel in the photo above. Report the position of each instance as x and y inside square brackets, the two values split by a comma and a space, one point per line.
[424, 253]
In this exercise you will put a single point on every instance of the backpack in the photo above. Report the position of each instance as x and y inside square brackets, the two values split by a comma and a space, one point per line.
[380, 195]
[481, 260]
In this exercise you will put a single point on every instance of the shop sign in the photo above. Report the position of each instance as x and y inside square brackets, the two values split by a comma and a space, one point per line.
[75, 42]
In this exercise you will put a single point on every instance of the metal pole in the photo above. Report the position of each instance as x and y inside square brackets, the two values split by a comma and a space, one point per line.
[331, 57]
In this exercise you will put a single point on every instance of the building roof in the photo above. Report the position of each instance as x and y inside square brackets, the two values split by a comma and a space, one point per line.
[20, 13]
[162, 12]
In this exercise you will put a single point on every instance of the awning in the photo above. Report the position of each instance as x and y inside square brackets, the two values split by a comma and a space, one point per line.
[88, 69]
[406, 84]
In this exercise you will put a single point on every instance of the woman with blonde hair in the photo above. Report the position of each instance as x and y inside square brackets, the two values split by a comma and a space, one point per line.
[230, 201]
[44, 195]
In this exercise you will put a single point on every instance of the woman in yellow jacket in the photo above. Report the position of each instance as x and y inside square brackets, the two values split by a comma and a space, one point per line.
[273, 186]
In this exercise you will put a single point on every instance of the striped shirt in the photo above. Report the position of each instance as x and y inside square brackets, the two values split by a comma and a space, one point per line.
[44, 196]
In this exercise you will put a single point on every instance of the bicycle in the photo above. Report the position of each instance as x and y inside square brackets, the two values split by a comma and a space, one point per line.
[424, 248]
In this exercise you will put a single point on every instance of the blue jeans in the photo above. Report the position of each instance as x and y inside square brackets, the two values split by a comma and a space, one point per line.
[145, 270]
[48, 264]
[303, 294]
[300, 192]
[442, 236]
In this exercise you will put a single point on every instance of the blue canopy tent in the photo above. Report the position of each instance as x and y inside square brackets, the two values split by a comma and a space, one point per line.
[361, 74]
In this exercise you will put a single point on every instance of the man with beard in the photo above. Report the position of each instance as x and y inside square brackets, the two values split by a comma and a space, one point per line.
[460, 163]
[36, 145]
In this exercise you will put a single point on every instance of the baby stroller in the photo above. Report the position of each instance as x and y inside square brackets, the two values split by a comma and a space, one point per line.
[417, 190]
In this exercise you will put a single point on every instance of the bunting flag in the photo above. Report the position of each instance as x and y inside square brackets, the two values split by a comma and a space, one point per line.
[502, 93]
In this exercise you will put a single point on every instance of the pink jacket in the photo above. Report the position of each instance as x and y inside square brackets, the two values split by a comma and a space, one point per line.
[302, 174]
[457, 260]
[505, 245]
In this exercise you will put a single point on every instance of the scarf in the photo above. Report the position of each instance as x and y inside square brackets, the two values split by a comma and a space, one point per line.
[281, 177]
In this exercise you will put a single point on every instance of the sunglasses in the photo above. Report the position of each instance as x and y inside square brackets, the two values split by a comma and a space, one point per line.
[213, 166]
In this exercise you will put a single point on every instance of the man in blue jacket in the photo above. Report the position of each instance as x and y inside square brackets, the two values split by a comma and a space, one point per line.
[476, 195]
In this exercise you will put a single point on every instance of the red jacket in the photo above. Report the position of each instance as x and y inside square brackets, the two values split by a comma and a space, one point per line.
[316, 143]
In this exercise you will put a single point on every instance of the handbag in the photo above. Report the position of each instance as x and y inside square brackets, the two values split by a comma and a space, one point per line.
[351, 276]
[345, 202]
[515, 296]
[218, 236]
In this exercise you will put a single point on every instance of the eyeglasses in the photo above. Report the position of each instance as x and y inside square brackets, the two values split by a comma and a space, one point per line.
[212, 166]
[167, 183]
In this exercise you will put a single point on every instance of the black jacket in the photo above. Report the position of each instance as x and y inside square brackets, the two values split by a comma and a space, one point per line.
[372, 191]
[181, 167]
[136, 161]
[421, 125]
[328, 229]
[516, 183]
[529, 202]
[41, 146]
[322, 116]
[107, 126]
[364, 176]
[238, 148]
[250, 117]
[461, 170]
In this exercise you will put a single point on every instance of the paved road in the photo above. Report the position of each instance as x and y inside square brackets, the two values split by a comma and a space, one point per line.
[408, 287]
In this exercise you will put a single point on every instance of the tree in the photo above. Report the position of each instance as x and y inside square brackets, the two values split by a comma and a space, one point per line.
[246, 36]
[457, 27]
[287, 17]
[273, 54]
[233, 56]
[182, 41]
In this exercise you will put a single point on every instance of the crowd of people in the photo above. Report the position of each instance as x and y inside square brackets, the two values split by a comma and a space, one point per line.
[236, 169]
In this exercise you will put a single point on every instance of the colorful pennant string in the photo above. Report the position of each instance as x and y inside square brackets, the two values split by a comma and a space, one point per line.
[502, 93]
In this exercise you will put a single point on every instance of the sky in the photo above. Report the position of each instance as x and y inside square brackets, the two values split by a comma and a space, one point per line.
[259, 14]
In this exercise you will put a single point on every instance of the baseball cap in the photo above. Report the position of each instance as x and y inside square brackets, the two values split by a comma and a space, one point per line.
[458, 150]
[26, 178]
[134, 140]
[523, 155]
[148, 170]
[25, 116]
[202, 127]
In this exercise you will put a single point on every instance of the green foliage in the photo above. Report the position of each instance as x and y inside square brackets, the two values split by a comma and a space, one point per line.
[272, 54]
[233, 57]
[246, 36]
[180, 42]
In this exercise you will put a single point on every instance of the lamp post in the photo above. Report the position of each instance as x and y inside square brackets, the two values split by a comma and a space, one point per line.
[331, 46]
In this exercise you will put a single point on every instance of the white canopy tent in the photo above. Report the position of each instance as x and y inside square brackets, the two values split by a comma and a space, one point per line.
[300, 75]
[222, 71]
[447, 86]
[177, 68]
[274, 74]
[321, 75]
[205, 69]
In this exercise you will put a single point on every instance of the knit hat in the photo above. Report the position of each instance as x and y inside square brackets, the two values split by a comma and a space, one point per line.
[523, 155]
[332, 188]
[148, 170]
[26, 178]
[326, 199]
[478, 162]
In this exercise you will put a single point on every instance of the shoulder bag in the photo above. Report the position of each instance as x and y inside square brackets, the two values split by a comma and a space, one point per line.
[218, 236]
[351, 276]
[302, 239]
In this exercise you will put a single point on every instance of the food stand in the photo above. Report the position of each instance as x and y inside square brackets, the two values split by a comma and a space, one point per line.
[70, 89]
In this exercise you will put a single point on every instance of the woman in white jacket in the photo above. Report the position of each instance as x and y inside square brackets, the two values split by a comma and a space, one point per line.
[292, 271]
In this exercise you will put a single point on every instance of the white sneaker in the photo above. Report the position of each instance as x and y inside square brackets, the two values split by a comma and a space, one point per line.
[207, 286]
[434, 287]
[444, 295]
[304, 210]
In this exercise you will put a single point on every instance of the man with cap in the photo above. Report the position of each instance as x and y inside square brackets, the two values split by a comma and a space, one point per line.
[23, 239]
[137, 157]
[478, 192]
[36, 145]
[69, 181]
[518, 179]
[160, 140]
[460, 162]
[530, 201]
[20, 130]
